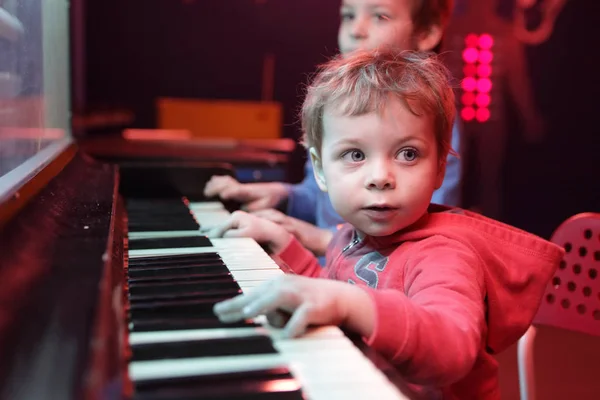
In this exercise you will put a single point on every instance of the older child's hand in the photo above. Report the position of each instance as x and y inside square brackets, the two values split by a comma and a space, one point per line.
[310, 301]
[312, 237]
[242, 224]
[254, 196]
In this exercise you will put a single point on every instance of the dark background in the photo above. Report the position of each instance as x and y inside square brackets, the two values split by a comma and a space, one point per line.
[132, 51]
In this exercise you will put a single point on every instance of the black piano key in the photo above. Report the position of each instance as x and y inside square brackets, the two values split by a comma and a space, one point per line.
[179, 259]
[170, 243]
[166, 271]
[238, 346]
[163, 227]
[148, 213]
[160, 219]
[151, 210]
[180, 278]
[187, 264]
[174, 308]
[186, 296]
[178, 324]
[148, 289]
[277, 383]
[165, 278]
[184, 283]
[249, 391]
[163, 220]
[152, 207]
[142, 202]
[191, 381]
[136, 316]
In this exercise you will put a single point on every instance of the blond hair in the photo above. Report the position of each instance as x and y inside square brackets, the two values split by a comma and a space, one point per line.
[363, 81]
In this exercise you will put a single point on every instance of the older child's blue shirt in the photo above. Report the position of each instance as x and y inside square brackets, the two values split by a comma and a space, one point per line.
[308, 203]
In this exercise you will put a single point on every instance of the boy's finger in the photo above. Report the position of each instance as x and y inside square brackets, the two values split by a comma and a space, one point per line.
[234, 305]
[298, 323]
[233, 192]
[220, 230]
[230, 317]
[215, 185]
[278, 318]
[265, 302]
[258, 204]
[237, 303]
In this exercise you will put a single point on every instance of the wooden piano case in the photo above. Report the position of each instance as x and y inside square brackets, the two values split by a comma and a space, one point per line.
[62, 313]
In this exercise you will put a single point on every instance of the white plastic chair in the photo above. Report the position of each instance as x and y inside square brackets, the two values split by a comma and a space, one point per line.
[572, 299]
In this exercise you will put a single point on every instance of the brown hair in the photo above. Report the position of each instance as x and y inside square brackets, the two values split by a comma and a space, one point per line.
[426, 13]
[362, 82]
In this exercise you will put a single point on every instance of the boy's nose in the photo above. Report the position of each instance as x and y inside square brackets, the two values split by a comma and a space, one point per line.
[359, 29]
[381, 177]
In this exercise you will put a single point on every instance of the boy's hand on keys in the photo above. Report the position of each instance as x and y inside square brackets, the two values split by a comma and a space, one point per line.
[312, 237]
[308, 301]
[242, 224]
[254, 196]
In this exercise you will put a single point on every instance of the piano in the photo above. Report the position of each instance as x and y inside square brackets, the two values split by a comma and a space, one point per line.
[109, 296]
[106, 283]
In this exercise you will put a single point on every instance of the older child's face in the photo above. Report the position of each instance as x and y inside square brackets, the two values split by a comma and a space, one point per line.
[367, 24]
[380, 169]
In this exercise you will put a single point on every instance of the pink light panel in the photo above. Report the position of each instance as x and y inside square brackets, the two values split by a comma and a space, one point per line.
[477, 84]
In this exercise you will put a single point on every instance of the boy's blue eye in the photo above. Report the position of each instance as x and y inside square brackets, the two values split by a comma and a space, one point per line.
[409, 154]
[354, 155]
[382, 17]
[347, 16]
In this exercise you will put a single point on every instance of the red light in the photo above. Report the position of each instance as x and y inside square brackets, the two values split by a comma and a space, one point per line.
[484, 70]
[483, 100]
[467, 99]
[469, 70]
[485, 56]
[484, 85]
[486, 41]
[482, 115]
[471, 40]
[470, 55]
[469, 84]
[467, 113]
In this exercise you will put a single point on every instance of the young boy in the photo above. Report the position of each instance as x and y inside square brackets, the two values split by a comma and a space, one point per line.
[365, 24]
[435, 290]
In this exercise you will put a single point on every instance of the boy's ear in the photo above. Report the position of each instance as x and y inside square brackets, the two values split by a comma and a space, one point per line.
[318, 169]
[440, 175]
[429, 38]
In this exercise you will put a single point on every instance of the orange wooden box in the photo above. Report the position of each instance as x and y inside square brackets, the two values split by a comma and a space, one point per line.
[221, 118]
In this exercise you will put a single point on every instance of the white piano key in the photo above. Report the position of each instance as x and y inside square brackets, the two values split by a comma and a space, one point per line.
[163, 234]
[319, 332]
[324, 360]
[169, 252]
[348, 391]
[208, 218]
[244, 249]
[256, 275]
[206, 206]
[207, 214]
[182, 367]
[193, 334]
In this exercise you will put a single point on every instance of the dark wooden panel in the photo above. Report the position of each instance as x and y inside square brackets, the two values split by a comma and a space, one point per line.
[53, 258]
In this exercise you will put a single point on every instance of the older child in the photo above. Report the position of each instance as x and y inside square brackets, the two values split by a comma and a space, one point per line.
[435, 290]
[365, 24]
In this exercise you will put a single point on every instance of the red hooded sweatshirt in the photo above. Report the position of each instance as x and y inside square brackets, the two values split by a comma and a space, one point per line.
[449, 291]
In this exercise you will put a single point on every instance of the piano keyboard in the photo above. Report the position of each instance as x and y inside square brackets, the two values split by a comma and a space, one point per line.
[324, 363]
